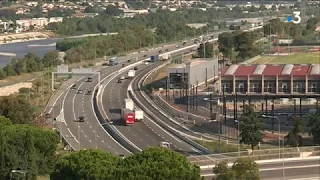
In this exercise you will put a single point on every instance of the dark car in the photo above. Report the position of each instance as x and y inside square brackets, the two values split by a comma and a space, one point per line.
[89, 92]
[81, 119]
[47, 115]
[135, 68]
[89, 79]
[79, 91]
[123, 65]
[145, 55]
[160, 51]
[129, 60]
[184, 43]
[166, 50]
[119, 81]
[74, 86]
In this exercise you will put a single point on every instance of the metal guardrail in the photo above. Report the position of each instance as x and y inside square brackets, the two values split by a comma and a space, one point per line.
[208, 162]
[266, 154]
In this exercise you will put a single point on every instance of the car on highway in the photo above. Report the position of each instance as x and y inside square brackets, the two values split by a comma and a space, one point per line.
[47, 115]
[80, 119]
[123, 65]
[184, 43]
[167, 50]
[79, 91]
[128, 60]
[89, 79]
[89, 92]
[177, 46]
[145, 55]
[119, 81]
[122, 77]
[135, 68]
[74, 86]
[160, 51]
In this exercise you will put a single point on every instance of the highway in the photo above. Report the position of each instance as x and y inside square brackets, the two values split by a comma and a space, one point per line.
[69, 105]
[290, 170]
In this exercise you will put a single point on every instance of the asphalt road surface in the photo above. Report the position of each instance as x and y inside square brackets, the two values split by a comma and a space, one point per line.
[89, 133]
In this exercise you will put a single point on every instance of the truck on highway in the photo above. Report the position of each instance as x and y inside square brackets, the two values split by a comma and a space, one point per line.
[127, 116]
[131, 73]
[154, 58]
[113, 61]
[164, 57]
[138, 113]
[129, 104]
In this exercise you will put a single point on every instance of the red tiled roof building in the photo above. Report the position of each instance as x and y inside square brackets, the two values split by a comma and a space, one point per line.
[288, 79]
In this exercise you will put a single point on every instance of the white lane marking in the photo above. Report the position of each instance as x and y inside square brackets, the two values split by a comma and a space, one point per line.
[195, 150]
[73, 107]
[73, 136]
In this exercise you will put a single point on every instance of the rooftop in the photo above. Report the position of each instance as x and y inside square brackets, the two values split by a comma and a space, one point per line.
[192, 63]
[271, 70]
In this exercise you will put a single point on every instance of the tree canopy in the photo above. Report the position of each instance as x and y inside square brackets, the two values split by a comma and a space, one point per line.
[153, 163]
[29, 63]
[242, 169]
[314, 125]
[205, 50]
[17, 109]
[27, 148]
[250, 127]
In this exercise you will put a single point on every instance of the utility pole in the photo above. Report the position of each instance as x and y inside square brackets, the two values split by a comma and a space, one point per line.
[197, 96]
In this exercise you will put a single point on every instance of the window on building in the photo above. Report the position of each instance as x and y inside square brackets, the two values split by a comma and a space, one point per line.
[241, 87]
[298, 87]
[269, 87]
[283, 87]
[226, 87]
[313, 87]
[255, 87]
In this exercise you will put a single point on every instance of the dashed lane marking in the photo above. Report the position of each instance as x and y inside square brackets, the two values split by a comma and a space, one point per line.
[102, 141]
[90, 140]
[90, 127]
[85, 135]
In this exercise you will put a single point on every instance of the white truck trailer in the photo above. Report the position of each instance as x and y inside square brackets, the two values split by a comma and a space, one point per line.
[138, 114]
[129, 104]
[131, 73]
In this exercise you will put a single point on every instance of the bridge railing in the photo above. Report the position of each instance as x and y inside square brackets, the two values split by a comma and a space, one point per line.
[256, 155]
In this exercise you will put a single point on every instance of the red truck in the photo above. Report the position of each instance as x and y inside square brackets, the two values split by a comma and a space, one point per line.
[128, 116]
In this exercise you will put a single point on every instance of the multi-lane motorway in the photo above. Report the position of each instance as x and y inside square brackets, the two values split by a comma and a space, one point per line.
[69, 105]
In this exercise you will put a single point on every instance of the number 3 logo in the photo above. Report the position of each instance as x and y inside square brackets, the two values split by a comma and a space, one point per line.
[297, 18]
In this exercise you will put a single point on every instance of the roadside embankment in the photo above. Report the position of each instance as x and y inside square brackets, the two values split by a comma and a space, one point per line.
[21, 37]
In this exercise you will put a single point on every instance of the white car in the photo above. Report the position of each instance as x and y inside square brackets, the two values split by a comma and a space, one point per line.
[122, 77]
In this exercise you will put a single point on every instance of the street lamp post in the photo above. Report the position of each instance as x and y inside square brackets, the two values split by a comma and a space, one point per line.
[275, 117]
[238, 124]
